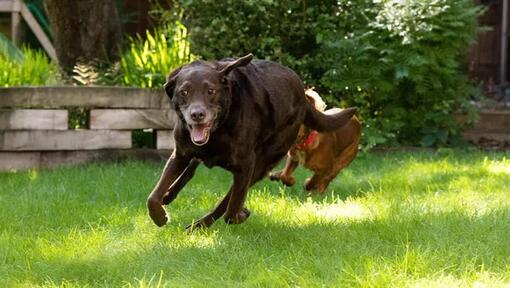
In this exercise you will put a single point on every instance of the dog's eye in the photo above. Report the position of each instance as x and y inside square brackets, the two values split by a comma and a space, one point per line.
[184, 93]
[211, 91]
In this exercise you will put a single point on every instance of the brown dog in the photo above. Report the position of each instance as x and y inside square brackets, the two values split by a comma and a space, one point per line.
[323, 153]
[238, 114]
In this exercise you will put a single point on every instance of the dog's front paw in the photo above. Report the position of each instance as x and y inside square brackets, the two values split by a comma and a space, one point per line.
[157, 212]
[279, 176]
[275, 176]
[239, 218]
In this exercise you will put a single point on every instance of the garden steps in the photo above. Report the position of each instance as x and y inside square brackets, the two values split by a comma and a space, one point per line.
[54, 140]
[82, 96]
[35, 132]
[123, 119]
[491, 130]
[15, 161]
[33, 119]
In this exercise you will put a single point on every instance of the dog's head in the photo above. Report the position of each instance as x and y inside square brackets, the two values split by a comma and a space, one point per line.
[200, 94]
[315, 99]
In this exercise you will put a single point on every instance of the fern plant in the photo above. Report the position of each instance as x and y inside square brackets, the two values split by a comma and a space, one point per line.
[148, 61]
[85, 74]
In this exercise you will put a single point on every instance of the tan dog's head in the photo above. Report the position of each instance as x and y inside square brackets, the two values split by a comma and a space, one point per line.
[316, 100]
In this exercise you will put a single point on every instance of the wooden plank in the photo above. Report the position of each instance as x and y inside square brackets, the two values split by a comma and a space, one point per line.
[38, 32]
[165, 140]
[6, 6]
[494, 121]
[51, 159]
[19, 160]
[15, 22]
[82, 96]
[48, 140]
[36, 119]
[477, 136]
[121, 119]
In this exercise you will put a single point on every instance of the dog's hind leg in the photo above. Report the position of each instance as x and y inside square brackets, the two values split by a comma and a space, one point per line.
[180, 182]
[316, 183]
[286, 174]
[235, 196]
[236, 212]
[320, 182]
[211, 217]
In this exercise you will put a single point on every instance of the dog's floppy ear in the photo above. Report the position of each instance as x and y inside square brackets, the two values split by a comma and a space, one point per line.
[231, 65]
[170, 82]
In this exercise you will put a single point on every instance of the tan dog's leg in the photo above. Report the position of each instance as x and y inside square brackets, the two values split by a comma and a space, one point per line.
[316, 183]
[320, 181]
[286, 174]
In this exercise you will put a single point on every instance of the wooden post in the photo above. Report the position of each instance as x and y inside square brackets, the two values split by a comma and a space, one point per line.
[38, 32]
[504, 44]
[16, 22]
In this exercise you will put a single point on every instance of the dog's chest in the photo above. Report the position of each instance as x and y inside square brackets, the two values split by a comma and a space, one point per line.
[213, 156]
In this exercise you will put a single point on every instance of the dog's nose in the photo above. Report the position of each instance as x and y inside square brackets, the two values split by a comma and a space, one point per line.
[197, 114]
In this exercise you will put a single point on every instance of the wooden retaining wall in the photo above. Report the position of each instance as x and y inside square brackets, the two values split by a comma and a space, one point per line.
[35, 132]
[492, 129]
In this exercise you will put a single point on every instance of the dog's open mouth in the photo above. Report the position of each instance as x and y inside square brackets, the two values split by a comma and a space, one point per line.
[200, 133]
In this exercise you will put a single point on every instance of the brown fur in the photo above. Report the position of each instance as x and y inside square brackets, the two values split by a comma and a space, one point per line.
[326, 156]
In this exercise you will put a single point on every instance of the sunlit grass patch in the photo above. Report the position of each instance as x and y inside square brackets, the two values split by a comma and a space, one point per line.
[399, 219]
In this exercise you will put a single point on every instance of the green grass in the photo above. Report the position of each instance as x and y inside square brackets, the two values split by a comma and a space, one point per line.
[438, 219]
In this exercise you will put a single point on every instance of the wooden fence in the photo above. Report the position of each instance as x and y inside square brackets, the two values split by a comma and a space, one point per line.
[35, 132]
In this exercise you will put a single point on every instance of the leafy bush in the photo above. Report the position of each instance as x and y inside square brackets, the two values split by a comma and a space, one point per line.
[25, 66]
[398, 61]
[148, 61]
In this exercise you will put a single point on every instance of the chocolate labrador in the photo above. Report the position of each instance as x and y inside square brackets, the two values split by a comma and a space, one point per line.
[239, 114]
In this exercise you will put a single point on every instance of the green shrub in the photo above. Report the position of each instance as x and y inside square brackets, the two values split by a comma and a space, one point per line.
[147, 62]
[25, 66]
[398, 61]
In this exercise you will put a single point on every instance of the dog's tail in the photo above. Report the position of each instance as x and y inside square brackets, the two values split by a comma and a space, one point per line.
[326, 123]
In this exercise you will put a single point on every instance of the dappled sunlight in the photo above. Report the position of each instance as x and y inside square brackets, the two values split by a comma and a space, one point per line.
[338, 211]
[78, 243]
[498, 167]
[288, 210]
[481, 280]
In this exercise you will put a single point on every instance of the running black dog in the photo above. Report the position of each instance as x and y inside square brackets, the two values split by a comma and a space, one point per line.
[238, 114]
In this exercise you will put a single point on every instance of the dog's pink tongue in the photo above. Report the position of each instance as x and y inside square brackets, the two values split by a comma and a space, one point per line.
[199, 133]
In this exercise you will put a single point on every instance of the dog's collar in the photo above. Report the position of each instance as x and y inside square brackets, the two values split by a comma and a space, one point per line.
[309, 140]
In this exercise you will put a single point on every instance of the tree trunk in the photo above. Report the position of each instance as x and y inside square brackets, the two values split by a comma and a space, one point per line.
[84, 30]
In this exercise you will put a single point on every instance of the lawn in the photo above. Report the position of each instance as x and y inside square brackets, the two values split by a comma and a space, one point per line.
[397, 219]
